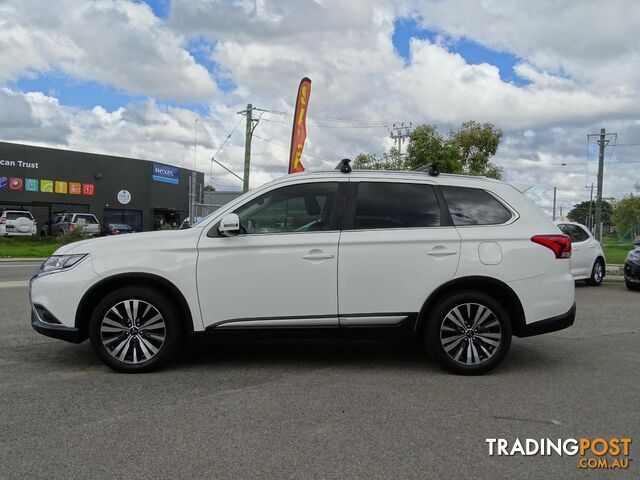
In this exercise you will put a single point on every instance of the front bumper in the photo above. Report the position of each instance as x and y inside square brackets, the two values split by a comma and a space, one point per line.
[55, 330]
[548, 325]
[632, 272]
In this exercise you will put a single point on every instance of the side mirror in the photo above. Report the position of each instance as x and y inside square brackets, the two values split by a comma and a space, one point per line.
[230, 225]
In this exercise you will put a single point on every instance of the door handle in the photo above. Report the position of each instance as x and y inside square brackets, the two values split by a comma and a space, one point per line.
[318, 256]
[437, 252]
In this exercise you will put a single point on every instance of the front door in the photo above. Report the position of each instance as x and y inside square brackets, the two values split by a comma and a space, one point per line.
[281, 270]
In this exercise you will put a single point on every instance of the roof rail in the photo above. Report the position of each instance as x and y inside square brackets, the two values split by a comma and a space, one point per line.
[344, 166]
[430, 168]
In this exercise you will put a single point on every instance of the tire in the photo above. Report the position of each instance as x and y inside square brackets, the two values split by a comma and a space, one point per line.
[632, 286]
[597, 273]
[468, 351]
[135, 330]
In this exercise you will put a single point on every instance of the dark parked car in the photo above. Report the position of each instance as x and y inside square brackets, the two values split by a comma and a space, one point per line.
[115, 229]
[632, 268]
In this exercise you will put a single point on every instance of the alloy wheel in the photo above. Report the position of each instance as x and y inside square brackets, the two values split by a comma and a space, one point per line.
[597, 272]
[470, 334]
[133, 331]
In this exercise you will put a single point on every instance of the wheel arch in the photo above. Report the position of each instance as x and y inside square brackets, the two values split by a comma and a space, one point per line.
[493, 287]
[109, 284]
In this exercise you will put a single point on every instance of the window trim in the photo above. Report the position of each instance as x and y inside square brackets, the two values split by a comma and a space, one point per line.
[349, 218]
[514, 214]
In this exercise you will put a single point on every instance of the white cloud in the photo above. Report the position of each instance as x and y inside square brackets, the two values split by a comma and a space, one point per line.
[115, 42]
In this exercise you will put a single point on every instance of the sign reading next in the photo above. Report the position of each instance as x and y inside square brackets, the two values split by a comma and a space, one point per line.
[18, 163]
[165, 174]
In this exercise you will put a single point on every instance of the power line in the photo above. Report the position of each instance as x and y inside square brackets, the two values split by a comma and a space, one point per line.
[283, 146]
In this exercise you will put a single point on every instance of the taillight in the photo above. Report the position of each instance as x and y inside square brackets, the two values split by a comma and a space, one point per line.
[559, 244]
[71, 226]
[3, 221]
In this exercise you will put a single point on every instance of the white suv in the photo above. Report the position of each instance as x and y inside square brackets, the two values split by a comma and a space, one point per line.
[461, 262]
[14, 223]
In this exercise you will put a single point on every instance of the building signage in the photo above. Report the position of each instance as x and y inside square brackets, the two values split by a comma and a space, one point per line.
[166, 174]
[124, 197]
[19, 184]
[18, 163]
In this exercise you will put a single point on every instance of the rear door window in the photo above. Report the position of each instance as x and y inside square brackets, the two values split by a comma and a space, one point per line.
[474, 206]
[576, 233]
[396, 205]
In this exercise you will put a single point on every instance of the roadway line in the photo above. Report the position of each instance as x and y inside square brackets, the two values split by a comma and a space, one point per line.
[14, 284]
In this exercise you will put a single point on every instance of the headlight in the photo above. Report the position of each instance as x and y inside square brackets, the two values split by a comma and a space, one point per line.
[58, 263]
[633, 257]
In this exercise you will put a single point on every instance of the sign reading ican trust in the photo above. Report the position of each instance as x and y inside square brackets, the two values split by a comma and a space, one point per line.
[165, 174]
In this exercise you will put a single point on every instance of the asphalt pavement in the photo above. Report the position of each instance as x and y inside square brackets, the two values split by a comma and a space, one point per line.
[331, 410]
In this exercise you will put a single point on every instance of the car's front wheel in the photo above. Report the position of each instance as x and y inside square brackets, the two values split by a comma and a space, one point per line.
[135, 329]
[597, 273]
[468, 333]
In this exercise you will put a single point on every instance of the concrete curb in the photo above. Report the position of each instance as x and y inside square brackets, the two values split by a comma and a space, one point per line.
[614, 270]
[613, 278]
[22, 260]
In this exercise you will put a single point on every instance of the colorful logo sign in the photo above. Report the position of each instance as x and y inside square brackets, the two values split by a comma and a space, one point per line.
[88, 189]
[31, 185]
[46, 186]
[165, 174]
[16, 183]
[60, 187]
[75, 188]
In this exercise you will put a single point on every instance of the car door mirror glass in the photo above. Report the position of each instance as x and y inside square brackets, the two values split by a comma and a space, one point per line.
[229, 225]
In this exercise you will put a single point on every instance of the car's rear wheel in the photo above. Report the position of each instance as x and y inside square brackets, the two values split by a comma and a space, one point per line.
[469, 333]
[134, 330]
[597, 273]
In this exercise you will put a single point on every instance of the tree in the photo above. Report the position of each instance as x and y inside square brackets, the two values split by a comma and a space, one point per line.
[626, 217]
[209, 188]
[580, 212]
[466, 150]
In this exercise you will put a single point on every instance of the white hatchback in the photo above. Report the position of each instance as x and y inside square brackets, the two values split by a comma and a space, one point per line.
[462, 263]
[587, 257]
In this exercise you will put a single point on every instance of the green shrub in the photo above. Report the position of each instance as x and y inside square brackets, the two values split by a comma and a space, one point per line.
[71, 236]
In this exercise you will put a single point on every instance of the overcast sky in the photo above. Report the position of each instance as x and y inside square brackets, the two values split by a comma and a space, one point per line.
[131, 78]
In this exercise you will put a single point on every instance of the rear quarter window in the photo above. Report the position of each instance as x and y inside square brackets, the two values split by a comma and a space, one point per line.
[474, 206]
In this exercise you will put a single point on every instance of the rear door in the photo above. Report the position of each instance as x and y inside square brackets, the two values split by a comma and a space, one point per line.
[396, 247]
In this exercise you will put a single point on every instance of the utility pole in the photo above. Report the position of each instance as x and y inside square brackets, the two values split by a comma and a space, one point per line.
[247, 146]
[554, 204]
[603, 141]
[589, 219]
[399, 132]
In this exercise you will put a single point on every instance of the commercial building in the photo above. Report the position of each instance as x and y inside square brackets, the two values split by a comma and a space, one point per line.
[146, 195]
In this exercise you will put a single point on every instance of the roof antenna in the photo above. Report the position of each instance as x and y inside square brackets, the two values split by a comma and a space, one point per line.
[344, 166]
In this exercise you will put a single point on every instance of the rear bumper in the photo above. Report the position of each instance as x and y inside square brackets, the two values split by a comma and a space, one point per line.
[548, 325]
[55, 330]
